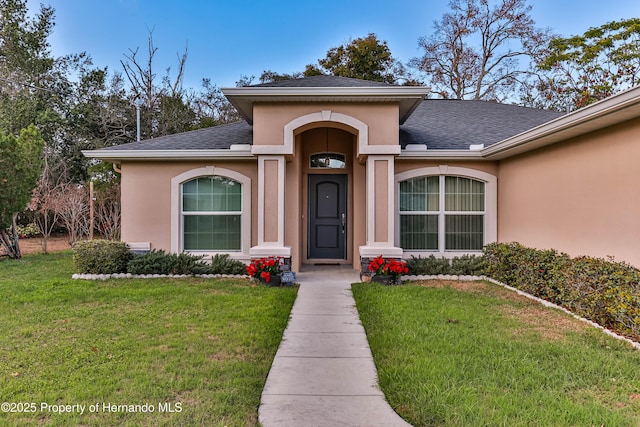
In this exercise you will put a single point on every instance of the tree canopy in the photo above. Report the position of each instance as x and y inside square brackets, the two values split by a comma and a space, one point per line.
[365, 58]
[481, 52]
[20, 167]
[586, 68]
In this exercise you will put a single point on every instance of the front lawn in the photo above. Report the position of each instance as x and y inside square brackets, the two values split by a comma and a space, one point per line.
[458, 354]
[133, 352]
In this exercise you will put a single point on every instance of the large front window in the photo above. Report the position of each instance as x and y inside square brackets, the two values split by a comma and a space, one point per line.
[212, 214]
[442, 213]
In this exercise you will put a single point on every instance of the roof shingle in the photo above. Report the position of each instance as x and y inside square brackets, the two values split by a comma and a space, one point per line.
[323, 81]
[213, 138]
[454, 124]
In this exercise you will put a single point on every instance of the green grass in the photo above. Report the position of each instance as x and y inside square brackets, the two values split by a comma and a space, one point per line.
[477, 355]
[205, 344]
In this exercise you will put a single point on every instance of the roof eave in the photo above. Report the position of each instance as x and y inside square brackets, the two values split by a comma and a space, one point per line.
[243, 98]
[119, 155]
[436, 154]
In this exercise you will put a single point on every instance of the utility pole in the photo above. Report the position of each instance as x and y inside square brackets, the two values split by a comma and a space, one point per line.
[138, 103]
[91, 207]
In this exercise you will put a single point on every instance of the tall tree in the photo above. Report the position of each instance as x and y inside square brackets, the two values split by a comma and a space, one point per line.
[20, 167]
[480, 51]
[25, 66]
[586, 68]
[365, 58]
[164, 109]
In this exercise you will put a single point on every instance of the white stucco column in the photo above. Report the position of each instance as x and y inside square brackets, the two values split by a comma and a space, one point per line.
[380, 208]
[271, 184]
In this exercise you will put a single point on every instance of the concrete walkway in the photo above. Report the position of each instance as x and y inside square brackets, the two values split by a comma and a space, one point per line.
[323, 373]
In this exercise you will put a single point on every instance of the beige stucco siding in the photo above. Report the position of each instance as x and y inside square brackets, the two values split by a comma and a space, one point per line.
[146, 197]
[270, 119]
[381, 196]
[271, 201]
[581, 196]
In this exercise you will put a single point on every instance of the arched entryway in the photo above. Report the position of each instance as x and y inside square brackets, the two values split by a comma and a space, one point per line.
[331, 179]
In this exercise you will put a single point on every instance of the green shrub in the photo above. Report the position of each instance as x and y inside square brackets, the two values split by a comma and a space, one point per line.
[222, 264]
[428, 266]
[535, 271]
[464, 265]
[603, 291]
[159, 262]
[101, 256]
[26, 231]
[468, 265]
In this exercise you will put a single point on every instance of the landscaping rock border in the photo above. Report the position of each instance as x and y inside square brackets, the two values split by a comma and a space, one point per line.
[153, 276]
[462, 278]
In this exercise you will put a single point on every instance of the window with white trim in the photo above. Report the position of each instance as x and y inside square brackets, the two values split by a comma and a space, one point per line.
[212, 214]
[442, 213]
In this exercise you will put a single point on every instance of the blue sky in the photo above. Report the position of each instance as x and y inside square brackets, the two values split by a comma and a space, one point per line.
[230, 38]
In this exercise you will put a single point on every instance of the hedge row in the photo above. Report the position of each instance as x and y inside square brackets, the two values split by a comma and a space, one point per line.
[604, 291]
[109, 257]
[466, 265]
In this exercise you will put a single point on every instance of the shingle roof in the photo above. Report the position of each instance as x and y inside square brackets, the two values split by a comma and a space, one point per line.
[217, 137]
[323, 81]
[454, 125]
[440, 124]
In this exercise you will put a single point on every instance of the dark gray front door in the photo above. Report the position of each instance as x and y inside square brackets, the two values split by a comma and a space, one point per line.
[327, 216]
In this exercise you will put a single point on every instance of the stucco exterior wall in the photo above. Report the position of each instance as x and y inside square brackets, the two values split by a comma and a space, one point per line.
[270, 119]
[146, 198]
[581, 196]
[271, 201]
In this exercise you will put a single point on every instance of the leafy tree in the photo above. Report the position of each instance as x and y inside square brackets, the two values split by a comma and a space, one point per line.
[365, 58]
[211, 107]
[269, 76]
[587, 68]
[25, 66]
[476, 50]
[20, 167]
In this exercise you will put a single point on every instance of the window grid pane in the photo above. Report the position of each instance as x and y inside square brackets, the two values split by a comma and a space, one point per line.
[420, 194]
[212, 194]
[464, 232]
[419, 232]
[463, 194]
[212, 232]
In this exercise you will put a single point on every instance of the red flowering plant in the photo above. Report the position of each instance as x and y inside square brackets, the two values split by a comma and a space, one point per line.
[390, 267]
[264, 269]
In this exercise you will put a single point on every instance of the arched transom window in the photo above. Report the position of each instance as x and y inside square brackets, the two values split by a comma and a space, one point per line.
[212, 214]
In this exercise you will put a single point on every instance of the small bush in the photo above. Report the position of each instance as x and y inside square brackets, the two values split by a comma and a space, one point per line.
[101, 256]
[468, 265]
[222, 264]
[464, 265]
[535, 271]
[605, 292]
[26, 231]
[159, 262]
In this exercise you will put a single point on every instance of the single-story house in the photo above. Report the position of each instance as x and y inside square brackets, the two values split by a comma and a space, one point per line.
[334, 170]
